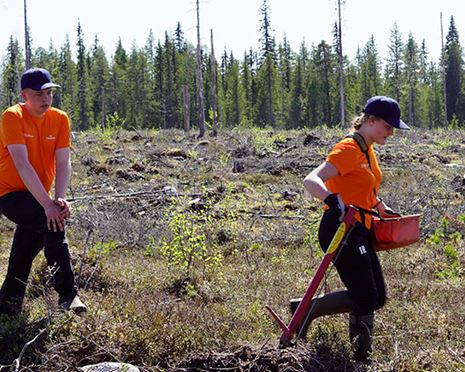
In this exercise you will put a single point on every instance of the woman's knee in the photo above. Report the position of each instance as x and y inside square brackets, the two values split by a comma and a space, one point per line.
[366, 303]
[381, 300]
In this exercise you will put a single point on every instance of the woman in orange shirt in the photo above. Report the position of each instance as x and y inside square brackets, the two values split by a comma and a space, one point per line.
[351, 176]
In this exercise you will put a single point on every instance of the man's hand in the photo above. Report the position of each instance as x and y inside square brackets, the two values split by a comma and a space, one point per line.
[55, 219]
[65, 207]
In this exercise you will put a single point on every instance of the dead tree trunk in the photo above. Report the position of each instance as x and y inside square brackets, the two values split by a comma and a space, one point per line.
[200, 79]
[213, 88]
[443, 68]
[187, 104]
[341, 68]
[27, 39]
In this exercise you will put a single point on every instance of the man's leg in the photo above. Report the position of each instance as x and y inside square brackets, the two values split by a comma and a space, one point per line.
[26, 245]
[58, 258]
[23, 209]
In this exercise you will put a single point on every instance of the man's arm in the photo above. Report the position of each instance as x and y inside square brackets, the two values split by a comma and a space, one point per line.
[30, 178]
[63, 172]
[62, 177]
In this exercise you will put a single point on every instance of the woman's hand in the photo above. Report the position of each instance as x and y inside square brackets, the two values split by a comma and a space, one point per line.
[385, 211]
[335, 201]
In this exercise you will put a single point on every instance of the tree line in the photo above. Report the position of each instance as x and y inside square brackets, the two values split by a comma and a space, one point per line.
[154, 86]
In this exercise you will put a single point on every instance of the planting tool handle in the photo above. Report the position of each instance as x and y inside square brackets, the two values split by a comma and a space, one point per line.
[339, 239]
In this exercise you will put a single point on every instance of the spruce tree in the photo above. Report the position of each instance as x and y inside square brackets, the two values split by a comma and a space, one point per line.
[11, 72]
[118, 100]
[85, 114]
[68, 82]
[394, 65]
[370, 67]
[454, 73]
[267, 69]
[99, 83]
[410, 77]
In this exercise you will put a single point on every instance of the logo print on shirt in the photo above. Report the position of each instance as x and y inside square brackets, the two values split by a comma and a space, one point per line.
[364, 165]
[362, 249]
[27, 135]
[50, 137]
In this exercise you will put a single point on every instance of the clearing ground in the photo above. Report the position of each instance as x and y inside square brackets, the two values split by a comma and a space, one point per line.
[179, 243]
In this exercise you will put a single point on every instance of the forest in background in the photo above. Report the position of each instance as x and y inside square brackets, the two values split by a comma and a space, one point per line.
[154, 86]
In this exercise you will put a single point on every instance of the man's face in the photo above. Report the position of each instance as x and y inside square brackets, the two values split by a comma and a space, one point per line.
[37, 102]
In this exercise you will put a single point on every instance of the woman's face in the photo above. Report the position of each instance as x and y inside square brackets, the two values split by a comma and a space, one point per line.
[380, 131]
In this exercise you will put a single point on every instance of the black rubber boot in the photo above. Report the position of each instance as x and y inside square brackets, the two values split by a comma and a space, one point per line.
[360, 331]
[327, 304]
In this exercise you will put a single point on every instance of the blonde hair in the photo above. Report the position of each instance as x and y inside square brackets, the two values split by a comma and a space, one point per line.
[359, 120]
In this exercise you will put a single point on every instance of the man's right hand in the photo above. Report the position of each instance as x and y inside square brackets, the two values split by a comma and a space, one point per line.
[334, 201]
[64, 206]
[55, 218]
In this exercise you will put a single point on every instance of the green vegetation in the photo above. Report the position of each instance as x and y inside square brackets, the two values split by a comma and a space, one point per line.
[178, 255]
[186, 250]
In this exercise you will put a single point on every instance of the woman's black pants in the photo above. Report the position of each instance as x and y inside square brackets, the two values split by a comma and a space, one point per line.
[357, 265]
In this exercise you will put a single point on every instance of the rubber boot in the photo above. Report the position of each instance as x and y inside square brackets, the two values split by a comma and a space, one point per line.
[360, 331]
[327, 304]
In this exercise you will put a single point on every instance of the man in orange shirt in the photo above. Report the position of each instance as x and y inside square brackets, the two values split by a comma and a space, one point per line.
[350, 175]
[34, 154]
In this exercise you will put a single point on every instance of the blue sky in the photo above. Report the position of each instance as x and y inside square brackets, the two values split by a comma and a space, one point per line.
[235, 23]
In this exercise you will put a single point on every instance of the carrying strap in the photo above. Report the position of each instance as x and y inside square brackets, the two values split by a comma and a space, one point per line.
[362, 144]
[358, 138]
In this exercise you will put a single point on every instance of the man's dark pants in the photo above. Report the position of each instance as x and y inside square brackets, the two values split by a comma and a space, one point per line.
[30, 237]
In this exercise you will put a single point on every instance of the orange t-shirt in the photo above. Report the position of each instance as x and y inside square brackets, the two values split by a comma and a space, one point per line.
[356, 183]
[42, 137]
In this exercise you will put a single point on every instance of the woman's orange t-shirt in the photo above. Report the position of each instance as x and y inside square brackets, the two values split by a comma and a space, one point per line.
[42, 137]
[357, 183]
